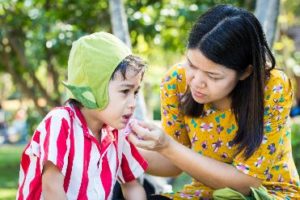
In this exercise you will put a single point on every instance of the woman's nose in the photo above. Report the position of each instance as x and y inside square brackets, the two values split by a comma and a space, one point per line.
[200, 80]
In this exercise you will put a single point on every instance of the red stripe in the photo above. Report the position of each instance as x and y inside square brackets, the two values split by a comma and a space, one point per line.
[25, 162]
[62, 143]
[24, 167]
[126, 171]
[86, 162]
[137, 156]
[36, 136]
[70, 158]
[35, 187]
[106, 176]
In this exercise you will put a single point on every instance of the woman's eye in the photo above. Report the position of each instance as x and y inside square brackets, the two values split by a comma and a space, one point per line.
[214, 78]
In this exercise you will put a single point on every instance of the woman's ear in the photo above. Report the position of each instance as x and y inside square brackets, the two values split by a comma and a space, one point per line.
[247, 73]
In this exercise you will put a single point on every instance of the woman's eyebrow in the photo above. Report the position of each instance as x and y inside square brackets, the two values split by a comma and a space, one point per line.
[209, 72]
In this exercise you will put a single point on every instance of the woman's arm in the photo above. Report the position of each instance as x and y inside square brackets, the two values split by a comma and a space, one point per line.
[133, 190]
[210, 172]
[52, 182]
[159, 165]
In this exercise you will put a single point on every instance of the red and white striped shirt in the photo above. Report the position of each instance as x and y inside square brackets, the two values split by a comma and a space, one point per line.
[90, 168]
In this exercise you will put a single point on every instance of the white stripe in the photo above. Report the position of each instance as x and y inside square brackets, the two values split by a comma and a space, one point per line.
[77, 168]
[55, 126]
[30, 175]
[93, 189]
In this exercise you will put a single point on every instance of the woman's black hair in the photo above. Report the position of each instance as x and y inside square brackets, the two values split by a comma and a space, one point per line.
[233, 37]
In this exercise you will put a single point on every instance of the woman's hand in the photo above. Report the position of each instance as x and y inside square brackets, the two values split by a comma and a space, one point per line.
[148, 136]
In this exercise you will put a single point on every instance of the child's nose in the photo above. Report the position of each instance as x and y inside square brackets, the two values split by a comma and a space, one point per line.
[132, 102]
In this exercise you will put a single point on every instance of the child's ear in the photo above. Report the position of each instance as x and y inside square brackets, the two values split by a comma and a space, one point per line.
[247, 73]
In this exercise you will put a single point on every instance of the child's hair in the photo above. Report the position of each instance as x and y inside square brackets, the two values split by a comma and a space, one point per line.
[131, 62]
[135, 63]
[234, 38]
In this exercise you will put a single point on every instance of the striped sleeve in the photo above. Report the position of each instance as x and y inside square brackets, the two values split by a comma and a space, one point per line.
[49, 143]
[51, 140]
[133, 164]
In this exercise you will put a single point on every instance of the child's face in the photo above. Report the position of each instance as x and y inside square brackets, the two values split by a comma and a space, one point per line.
[122, 99]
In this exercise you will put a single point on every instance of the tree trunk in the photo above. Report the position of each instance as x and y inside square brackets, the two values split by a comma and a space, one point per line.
[267, 13]
[120, 29]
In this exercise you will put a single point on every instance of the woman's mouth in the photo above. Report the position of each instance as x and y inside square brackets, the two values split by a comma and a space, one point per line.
[198, 94]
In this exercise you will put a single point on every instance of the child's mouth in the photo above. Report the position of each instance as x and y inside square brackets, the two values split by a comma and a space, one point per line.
[126, 118]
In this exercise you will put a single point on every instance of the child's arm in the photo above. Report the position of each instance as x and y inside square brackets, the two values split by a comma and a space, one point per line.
[52, 183]
[133, 190]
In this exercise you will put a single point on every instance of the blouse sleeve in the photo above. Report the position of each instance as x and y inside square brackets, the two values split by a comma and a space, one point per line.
[173, 87]
[276, 139]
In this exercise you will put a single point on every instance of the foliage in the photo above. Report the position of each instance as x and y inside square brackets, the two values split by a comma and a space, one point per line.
[296, 143]
[9, 170]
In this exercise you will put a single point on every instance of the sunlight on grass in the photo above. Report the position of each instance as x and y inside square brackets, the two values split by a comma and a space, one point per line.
[9, 170]
[8, 194]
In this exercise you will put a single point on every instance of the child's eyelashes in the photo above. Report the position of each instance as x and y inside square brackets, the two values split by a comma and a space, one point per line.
[136, 93]
[125, 91]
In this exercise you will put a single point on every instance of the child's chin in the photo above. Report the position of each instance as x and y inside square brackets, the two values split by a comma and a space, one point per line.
[118, 126]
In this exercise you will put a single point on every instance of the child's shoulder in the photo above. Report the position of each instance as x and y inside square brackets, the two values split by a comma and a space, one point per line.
[60, 112]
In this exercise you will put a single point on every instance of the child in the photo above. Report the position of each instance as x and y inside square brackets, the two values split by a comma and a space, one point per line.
[77, 151]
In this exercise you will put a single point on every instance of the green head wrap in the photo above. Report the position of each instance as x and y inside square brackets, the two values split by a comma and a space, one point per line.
[92, 61]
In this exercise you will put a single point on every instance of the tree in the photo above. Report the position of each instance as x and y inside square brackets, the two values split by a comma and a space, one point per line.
[267, 13]
[120, 29]
[35, 40]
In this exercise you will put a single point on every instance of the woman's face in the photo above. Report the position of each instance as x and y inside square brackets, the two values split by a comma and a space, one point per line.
[209, 82]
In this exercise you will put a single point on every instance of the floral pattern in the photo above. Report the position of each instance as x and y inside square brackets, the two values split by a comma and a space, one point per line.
[212, 135]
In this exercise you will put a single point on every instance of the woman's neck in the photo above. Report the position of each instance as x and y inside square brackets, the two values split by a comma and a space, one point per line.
[223, 104]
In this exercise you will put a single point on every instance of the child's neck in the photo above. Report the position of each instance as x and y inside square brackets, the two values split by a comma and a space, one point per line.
[93, 123]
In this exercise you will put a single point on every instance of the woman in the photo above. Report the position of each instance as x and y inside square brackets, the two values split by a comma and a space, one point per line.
[226, 109]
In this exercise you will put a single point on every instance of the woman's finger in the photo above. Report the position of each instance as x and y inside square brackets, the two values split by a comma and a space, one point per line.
[148, 125]
[140, 131]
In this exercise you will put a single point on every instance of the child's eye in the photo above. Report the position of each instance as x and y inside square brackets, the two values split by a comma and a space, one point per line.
[125, 91]
[136, 93]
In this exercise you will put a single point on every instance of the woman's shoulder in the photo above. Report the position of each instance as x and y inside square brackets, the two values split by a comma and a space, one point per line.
[278, 89]
[174, 78]
[278, 82]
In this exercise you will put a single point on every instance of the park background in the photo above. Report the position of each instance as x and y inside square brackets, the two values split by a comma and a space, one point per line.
[36, 37]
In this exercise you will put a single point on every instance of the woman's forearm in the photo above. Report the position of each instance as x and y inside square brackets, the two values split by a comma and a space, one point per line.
[208, 171]
[133, 190]
[159, 165]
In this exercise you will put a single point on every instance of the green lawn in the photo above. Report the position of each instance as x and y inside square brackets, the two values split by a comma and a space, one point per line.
[9, 170]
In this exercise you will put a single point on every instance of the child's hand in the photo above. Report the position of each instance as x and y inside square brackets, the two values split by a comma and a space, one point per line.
[148, 136]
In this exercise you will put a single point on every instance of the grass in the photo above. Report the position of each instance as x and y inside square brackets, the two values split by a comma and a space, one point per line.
[9, 170]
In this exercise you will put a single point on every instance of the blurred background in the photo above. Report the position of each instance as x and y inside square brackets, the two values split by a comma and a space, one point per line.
[36, 37]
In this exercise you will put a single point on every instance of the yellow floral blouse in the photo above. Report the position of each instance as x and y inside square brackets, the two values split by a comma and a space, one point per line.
[212, 134]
